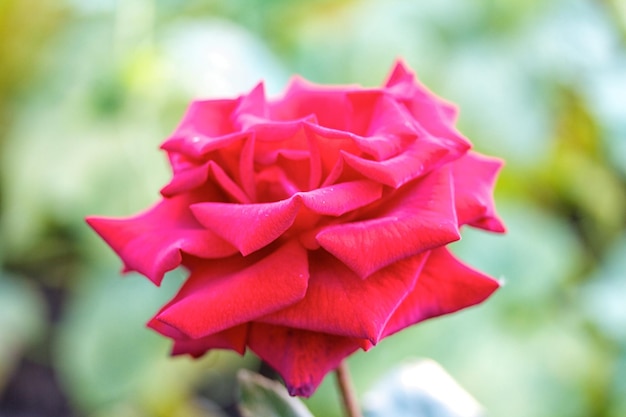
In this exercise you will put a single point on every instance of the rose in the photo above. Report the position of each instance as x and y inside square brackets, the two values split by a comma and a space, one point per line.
[312, 225]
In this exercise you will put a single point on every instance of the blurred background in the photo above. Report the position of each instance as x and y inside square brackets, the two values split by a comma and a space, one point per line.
[89, 89]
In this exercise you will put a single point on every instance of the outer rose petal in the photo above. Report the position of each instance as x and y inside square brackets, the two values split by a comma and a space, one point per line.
[339, 302]
[433, 113]
[225, 293]
[151, 242]
[474, 179]
[233, 339]
[422, 217]
[301, 357]
[444, 286]
[250, 108]
[203, 123]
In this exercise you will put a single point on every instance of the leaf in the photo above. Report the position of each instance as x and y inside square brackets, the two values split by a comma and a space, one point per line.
[262, 397]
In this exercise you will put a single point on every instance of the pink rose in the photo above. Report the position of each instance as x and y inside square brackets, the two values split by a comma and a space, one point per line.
[312, 225]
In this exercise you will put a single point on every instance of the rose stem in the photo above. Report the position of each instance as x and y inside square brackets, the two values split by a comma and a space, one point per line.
[348, 394]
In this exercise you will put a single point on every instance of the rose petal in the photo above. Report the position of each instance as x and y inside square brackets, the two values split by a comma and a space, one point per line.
[198, 176]
[232, 339]
[249, 227]
[301, 357]
[444, 286]
[382, 127]
[303, 99]
[339, 302]
[419, 218]
[151, 242]
[433, 113]
[326, 146]
[198, 146]
[251, 108]
[474, 179]
[339, 199]
[228, 292]
[204, 124]
[260, 224]
[422, 156]
[234, 154]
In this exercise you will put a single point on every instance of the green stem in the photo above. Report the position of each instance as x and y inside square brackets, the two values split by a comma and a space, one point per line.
[348, 393]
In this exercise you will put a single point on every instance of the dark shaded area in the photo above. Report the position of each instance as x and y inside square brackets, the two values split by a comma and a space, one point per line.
[33, 391]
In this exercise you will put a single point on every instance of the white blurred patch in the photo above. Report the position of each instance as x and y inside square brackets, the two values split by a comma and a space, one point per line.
[211, 58]
[420, 388]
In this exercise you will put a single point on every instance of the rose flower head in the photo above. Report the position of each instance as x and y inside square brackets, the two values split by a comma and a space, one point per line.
[313, 224]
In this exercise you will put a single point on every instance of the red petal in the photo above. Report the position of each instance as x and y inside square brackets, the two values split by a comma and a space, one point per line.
[444, 286]
[474, 179]
[249, 227]
[399, 74]
[302, 358]
[204, 122]
[151, 242]
[227, 292]
[189, 179]
[433, 113]
[198, 145]
[338, 199]
[419, 218]
[326, 146]
[338, 302]
[232, 339]
[260, 224]
[251, 108]
[303, 99]
[387, 127]
[425, 154]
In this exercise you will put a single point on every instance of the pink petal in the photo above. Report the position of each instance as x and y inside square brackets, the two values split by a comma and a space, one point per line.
[227, 292]
[444, 286]
[474, 180]
[151, 242]
[339, 302]
[420, 217]
[302, 358]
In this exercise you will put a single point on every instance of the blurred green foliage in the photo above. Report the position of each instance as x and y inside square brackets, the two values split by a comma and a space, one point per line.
[89, 88]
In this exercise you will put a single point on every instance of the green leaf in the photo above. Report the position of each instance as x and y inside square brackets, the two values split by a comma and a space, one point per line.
[262, 397]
